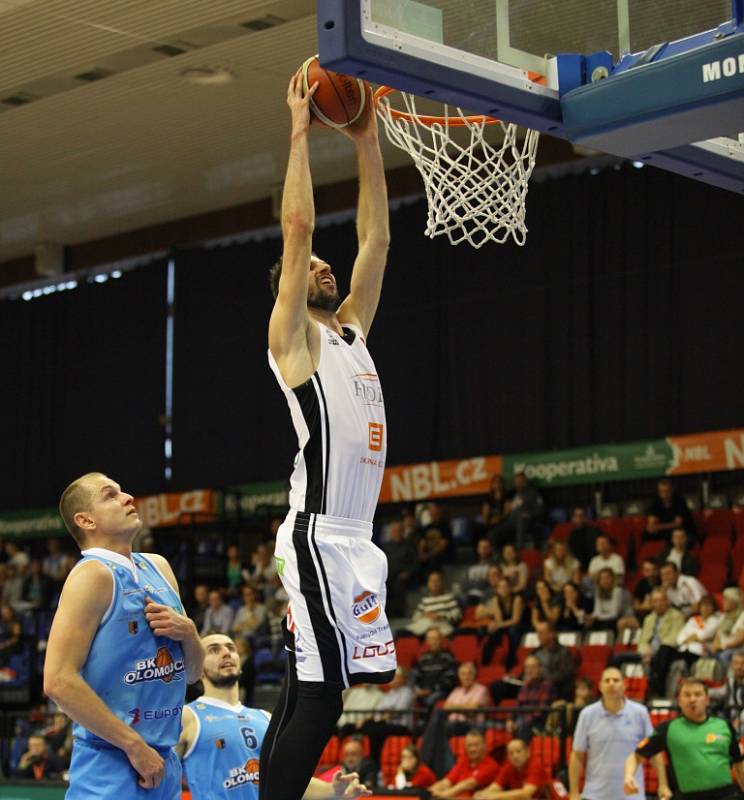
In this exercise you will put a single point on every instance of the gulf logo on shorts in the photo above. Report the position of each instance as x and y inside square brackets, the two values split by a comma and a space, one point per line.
[366, 607]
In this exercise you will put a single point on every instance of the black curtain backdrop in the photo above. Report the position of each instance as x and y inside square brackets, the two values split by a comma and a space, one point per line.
[619, 320]
[83, 387]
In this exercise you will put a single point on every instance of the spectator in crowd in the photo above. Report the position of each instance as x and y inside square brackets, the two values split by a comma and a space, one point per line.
[360, 701]
[520, 778]
[477, 575]
[235, 571]
[536, 690]
[58, 736]
[475, 769]
[678, 552]
[557, 660]
[669, 511]
[11, 634]
[412, 772]
[684, 591]
[544, 607]
[572, 609]
[523, 519]
[12, 586]
[560, 566]
[431, 551]
[496, 506]
[728, 699]
[582, 538]
[514, 569]
[608, 602]
[432, 519]
[390, 718]
[56, 564]
[250, 618]
[15, 557]
[35, 591]
[409, 524]
[467, 694]
[218, 617]
[730, 634]
[38, 763]
[504, 616]
[354, 760]
[607, 732]
[583, 695]
[658, 643]
[642, 592]
[436, 608]
[436, 671]
[401, 556]
[200, 605]
[606, 557]
[262, 567]
[697, 634]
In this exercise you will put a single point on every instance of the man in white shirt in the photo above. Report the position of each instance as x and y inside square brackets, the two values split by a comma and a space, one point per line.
[684, 591]
[606, 559]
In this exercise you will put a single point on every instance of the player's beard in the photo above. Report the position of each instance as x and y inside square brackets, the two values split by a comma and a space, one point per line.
[222, 681]
[323, 301]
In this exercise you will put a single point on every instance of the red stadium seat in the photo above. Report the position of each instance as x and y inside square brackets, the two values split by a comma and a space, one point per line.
[636, 688]
[594, 658]
[718, 522]
[659, 715]
[466, 647]
[561, 531]
[713, 576]
[329, 756]
[390, 756]
[715, 548]
[490, 673]
[649, 550]
[407, 650]
[534, 560]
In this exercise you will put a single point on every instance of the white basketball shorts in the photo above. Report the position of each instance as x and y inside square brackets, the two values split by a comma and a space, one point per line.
[335, 578]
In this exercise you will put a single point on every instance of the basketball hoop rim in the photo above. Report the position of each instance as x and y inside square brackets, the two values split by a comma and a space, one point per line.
[455, 121]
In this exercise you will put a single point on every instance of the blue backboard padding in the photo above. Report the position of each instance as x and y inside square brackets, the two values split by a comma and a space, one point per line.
[343, 49]
[660, 105]
[702, 165]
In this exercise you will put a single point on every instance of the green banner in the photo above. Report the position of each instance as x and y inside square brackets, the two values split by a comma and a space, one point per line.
[251, 496]
[31, 523]
[589, 464]
[29, 790]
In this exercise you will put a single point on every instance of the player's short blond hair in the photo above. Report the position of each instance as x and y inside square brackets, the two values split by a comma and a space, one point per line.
[78, 496]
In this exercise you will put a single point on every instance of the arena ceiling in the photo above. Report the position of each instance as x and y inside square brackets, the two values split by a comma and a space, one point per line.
[103, 129]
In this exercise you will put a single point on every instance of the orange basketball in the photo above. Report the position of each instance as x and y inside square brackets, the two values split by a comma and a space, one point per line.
[339, 99]
[162, 659]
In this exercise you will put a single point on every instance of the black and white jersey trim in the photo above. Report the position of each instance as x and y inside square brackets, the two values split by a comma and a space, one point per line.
[314, 410]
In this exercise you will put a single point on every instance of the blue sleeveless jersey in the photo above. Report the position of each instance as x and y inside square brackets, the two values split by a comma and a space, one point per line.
[222, 761]
[138, 675]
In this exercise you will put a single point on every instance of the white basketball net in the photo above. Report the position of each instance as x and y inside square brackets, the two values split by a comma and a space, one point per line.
[475, 192]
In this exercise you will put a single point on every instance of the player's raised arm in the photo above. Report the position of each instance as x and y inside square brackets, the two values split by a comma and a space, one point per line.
[373, 226]
[289, 319]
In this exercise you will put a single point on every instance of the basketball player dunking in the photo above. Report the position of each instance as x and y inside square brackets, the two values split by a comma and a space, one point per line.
[221, 738]
[120, 652]
[334, 575]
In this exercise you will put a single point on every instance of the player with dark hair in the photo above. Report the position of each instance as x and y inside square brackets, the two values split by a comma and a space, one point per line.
[338, 633]
[120, 652]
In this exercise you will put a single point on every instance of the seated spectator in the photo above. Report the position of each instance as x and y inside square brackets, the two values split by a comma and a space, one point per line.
[728, 700]
[56, 565]
[250, 618]
[436, 608]
[390, 718]
[658, 643]
[11, 634]
[263, 568]
[537, 690]
[353, 760]
[669, 511]
[514, 569]
[678, 552]
[642, 592]
[467, 694]
[38, 763]
[435, 673]
[560, 566]
[503, 615]
[15, 557]
[200, 605]
[412, 772]
[435, 530]
[583, 696]
[475, 769]
[235, 571]
[730, 634]
[606, 557]
[476, 582]
[520, 778]
[401, 556]
[698, 632]
[58, 736]
[218, 617]
[360, 701]
[608, 602]
[544, 607]
[523, 519]
[495, 508]
[572, 609]
[684, 591]
[583, 538]
[12, 587]
[36, 590]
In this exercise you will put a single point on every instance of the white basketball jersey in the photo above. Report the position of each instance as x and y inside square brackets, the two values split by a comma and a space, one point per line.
[339, 417]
